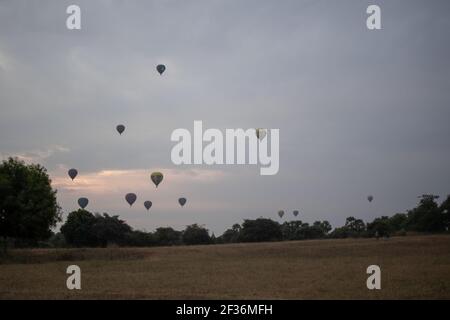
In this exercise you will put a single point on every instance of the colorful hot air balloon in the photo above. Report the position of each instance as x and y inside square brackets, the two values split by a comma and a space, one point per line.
[161, 68]
[147, 204]
[295, 213]
[281, 213]
[182, 201]
[131, 198]
[370, 198]
[261, 133]
[120, 128]
[83, 202]
[157, 177]
[72, 173]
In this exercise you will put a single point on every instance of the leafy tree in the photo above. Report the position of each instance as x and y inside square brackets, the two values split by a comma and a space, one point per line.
[109, 229]
[398, 222]
[292, 230]
[355, 226]
[323, 226]
[195, 234]
[138, 238]
[444, 209]
[167, 236]
[78, 229]
[231, 235]
[305, 231]
[316, 231]
[260, 230]
[28, 207]
[57, 240]
[339, 233]
[427, 216]
[380, 227]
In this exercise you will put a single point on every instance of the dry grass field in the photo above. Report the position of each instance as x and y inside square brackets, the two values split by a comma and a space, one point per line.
[415, 267]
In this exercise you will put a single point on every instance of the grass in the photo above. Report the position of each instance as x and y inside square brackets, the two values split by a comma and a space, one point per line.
[416, 267]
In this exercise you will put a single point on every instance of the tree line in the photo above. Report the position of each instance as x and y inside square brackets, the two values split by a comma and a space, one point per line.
[29, 211]
[83, 228]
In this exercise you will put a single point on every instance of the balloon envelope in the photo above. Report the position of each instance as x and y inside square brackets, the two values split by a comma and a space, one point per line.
[72, 173]
[120, 128]
[83, 202]
[147, 204]
[161, 68]
[370, 198]
[281, 213]
[131, 198]
[295, 213]
[157, 177]
[182, 201]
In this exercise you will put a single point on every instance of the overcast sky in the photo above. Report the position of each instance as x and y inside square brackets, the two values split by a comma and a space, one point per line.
[360, 112]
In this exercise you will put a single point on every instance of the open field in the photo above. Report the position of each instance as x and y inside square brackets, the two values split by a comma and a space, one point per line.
[412, 267]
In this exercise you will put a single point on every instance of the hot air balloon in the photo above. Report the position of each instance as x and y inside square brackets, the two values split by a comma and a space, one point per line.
[281, 213]
[182, 201]
[131, 198]
[157, 177]
[83, 202]
[370, 198]
[72, 173]
[120, 128]
[161, 68]
[147, 204]
[261, 133]
[295, 213]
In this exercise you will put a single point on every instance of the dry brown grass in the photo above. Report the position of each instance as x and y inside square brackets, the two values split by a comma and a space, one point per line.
[412, 268]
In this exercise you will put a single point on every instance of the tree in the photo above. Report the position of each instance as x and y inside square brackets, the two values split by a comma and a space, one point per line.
[323, 226]
[231, 235]
[57, 241]
[297, 230]
[195, 234]
[380, 227]
[444, 209]
[260, 230]
[353, 228]
[28, 207]
[109, 229]
[139, 239]
[167, 236]
[398, 222]
[83, 229]
[339, 233]
[291, 230]
[427, 216]
[355, 225]
[78, 229]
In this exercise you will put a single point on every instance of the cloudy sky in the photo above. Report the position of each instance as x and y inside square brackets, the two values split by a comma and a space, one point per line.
[360, 112]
